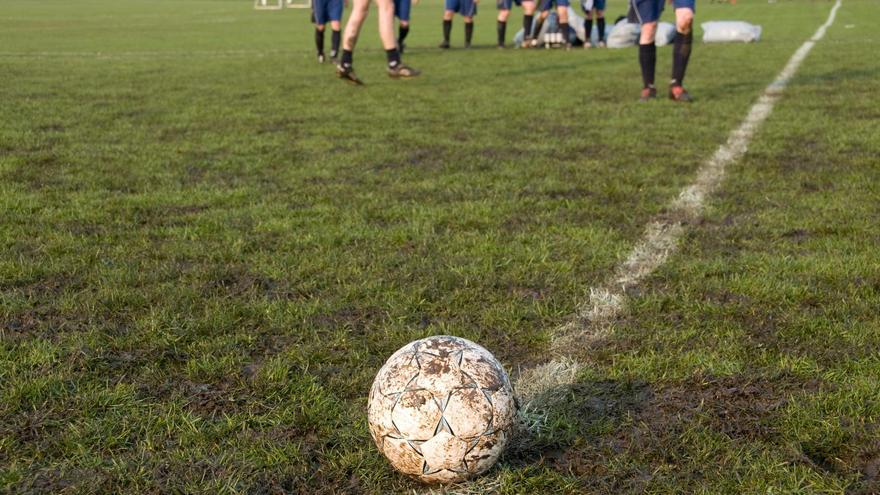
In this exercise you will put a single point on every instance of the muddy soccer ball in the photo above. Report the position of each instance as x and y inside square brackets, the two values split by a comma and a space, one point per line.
[441, 409]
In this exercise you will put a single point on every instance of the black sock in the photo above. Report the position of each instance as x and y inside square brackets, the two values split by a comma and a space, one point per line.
[648, 61]
[334, 42]
[447, 28]
[527, 25]
[347, 58]
[588, 30]
[401, 34]
[502, 28]
[681, 53]
[600, 25]
[393, 56]
[563, 28]
[468, 32]
[538, 26]
[319, 41]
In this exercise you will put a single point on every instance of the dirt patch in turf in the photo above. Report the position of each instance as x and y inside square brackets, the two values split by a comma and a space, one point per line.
[40, 170]
[649, 425]
[237, 281]
[854, 449]
[422, 157]
[57, 481]
[41, 318]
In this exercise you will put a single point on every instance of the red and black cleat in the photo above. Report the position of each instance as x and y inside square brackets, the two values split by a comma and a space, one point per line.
[678, 93]
[648, 93]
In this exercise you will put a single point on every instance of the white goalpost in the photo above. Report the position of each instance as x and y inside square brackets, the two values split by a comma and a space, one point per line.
[282, 4]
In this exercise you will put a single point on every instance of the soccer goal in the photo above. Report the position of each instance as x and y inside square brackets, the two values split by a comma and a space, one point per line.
[268, 4]
[298, 4]
[281, 4]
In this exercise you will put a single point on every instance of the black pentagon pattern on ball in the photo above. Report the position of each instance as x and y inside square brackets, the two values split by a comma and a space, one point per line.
[424, 357]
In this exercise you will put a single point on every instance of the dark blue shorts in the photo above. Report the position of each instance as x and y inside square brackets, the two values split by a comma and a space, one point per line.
[327, 10]
[508, 4]
[649, 10]
[401, 9]
[467, 8]
[597, 4]
[548, 4]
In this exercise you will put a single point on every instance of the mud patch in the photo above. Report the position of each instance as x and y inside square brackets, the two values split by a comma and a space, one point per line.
[607, 421]
[237, 281]
[357, 321]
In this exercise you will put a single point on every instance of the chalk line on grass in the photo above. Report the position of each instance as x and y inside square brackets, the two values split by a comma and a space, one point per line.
[594, 318]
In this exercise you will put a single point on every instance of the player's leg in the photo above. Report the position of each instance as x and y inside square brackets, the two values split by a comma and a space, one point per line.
[528, 19]
[562, 12]
[648, 12]
[681, 51]
[335, 14]
[319, 41]
[335, 38]
[599, 8]
[401, 10]
[402, 32]
[452, 6]
[545, 12]
[503, 13]
[588, 24]
[468, 11]
[345, 69]
[321, 15]
[396, 69]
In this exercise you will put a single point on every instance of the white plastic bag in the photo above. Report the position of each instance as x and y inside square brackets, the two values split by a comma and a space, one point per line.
[665, 33]
[624, 34]
[730, 32]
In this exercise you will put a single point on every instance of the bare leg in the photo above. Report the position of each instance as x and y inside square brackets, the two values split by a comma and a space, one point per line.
[386, 24]
[359, 11]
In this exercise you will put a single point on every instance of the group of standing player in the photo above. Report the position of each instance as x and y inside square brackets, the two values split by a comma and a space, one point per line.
[645, 12]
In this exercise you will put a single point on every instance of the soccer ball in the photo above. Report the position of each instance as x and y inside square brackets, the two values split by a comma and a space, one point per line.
[441, 409]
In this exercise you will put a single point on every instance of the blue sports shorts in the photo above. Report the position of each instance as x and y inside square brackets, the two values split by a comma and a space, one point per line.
[467, 8]
[649, 10]
[508, 4]
[327, 10]
[548, 4]
[401, 9]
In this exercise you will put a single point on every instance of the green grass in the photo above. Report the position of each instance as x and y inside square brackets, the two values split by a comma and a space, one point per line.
[210, 245]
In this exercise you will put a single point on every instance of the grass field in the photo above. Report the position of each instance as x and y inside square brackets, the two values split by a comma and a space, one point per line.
[210, 245]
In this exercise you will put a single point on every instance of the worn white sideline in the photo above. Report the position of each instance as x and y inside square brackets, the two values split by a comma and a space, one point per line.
[594, 317]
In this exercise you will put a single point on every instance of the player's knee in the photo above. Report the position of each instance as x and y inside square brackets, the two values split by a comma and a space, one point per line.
[588, 16]
[319, 27]
[447, 15]
[649, 31]
[600, 14]
[404, 24]
[468, 20]
[684, 20]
